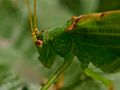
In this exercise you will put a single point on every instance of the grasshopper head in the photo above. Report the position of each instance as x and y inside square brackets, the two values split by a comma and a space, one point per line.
[44, 47]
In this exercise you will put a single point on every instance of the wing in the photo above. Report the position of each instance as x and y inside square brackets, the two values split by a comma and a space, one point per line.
[97, 39]
[98, 29]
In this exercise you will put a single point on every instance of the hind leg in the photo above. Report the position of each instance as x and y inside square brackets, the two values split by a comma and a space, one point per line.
[99, 77]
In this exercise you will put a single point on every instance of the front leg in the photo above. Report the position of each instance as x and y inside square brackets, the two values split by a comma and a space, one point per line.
[99, 77]
[67, 61]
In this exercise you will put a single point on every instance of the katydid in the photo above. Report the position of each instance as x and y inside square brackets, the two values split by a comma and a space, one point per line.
[92, 38]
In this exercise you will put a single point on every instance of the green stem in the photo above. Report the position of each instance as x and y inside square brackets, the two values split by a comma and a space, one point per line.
[63, 67]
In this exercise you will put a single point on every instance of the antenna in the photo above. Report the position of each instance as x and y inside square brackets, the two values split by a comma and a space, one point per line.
[30, 15]
[35, 16]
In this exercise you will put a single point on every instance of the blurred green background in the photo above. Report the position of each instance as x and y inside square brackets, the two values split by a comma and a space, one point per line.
[19, 65]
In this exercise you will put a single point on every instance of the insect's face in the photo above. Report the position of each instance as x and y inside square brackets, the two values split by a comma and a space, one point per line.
[46, 54]
[37, 37]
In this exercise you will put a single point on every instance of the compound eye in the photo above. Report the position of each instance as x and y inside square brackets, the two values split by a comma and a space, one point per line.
[39, 42]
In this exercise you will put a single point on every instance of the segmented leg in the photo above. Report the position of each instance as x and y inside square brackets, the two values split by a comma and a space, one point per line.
[99, 77]
[58, 73]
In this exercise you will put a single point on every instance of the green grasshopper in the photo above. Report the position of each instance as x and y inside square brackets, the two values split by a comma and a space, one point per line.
[92, 38]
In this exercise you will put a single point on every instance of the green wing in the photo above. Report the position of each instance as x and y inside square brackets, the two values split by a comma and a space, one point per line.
[99, 29]
[97, 39]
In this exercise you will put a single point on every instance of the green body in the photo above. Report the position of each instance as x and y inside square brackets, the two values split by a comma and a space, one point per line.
[97, 40]
[94, 38]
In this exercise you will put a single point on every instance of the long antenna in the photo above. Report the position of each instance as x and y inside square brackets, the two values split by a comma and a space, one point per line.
[35, 16]
[30, 15]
